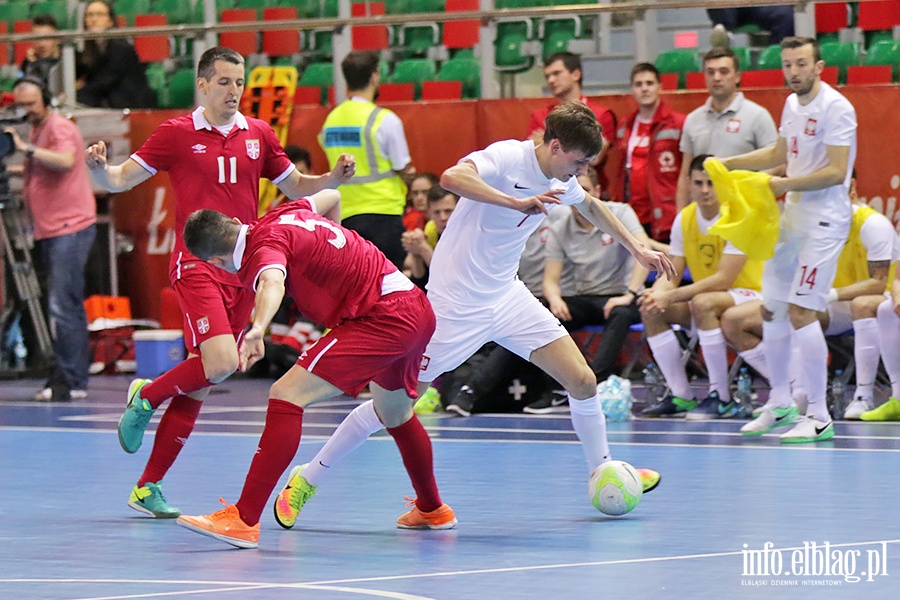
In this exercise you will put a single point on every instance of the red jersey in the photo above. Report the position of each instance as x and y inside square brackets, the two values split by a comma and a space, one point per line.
[639, 149]
[332, 273]
[211, 170]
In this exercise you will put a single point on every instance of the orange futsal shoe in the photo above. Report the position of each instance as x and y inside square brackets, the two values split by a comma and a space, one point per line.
[225, 525]
[649, 479]
[440, 518]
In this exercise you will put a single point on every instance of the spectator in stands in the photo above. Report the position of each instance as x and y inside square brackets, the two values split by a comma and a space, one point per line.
[42, 57]
[417, 200]
[108, 72]
[419, 243]
[723, 278]
[58, 194]
[563, 74]
[372, 203]
[649, 138]
[300, 157]
[727, 124]
[777, 20]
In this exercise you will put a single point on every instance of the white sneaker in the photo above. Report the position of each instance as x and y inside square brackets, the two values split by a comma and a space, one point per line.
[46, 394]
[809, 430]
[857, 408]
[769, 419]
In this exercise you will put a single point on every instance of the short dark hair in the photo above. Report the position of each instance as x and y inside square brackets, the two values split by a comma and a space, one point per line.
[575, 126]
[697, 163]
[297, 153]
[644, 67]
[437, 193]
[206, 67]
[720, 52]
[358, 68]
[571, 61]
[209, 233]
[790, 43]
[591, 174]
[45, 20]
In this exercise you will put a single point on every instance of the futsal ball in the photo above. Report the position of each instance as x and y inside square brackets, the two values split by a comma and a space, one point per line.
[615, 488]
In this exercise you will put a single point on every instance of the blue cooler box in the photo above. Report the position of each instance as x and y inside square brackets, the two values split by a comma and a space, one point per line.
[156, 351]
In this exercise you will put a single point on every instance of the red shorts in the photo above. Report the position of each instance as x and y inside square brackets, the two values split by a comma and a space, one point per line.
[384, 346]
[210, 307]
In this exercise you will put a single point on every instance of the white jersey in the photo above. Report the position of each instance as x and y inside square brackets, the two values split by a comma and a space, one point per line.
[878, 237]
[828, 120]
[479, 251]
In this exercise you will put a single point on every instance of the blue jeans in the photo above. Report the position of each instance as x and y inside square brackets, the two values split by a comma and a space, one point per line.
[65, 258]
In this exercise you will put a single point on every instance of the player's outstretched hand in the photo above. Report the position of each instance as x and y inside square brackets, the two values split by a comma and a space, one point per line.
[534, 205]
[95, 156]
[344, 169]
[656, 261]
[252, 348]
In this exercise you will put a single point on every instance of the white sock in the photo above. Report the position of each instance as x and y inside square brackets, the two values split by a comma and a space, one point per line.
[350, 435]
[590, 427]
[889, 341]
[798, 380]
[777, 346]
[814, 358]
[715, 355]
[756, 358]
[865, 354]
[667, 354]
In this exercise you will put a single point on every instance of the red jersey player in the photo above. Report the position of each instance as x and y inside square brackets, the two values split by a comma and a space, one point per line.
[215, 158]
[380, 324]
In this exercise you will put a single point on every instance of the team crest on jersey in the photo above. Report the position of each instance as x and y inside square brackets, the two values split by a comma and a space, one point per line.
[203, 325]
[425, 361]
[733, 126]
[810, 128]
[253, 149]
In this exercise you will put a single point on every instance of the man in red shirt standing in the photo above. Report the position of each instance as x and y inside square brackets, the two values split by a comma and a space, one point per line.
[563, 74]
[215, 158]
[649, 138]
[379, 326]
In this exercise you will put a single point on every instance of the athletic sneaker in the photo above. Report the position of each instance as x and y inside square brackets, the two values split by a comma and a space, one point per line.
[464, 403]
[769, 419]
[135, 418]
[429, 402]
[552, 402]
[649, 479]
[712, 407]
[889, 411]
[857, 408]
[808, 430]
[669, 406]
[150, 500]
[440, 518]
[225, 525]
[46, 394]
[295, 494]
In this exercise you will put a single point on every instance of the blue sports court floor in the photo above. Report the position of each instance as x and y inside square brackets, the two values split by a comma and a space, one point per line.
[726, 508]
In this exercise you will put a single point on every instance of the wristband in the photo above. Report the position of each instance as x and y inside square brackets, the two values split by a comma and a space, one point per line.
[29, 150]
[832, 296]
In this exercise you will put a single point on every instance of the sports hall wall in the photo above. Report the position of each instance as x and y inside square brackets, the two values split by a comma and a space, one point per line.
[442, 132]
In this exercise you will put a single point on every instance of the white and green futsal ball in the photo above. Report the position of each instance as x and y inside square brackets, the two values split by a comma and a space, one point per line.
[615, 488]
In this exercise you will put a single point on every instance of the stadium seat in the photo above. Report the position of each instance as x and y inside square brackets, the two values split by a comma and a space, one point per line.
[177, 11]
[180, 90]
[10, 12]
[868, 74]
[875, 17]
[840, 55]
[830, 18]
[245, 42]
[885, 53]
[151, 48]
[58, 8]
[4, 48]
[320, 75]
[696, 81]
[125, 8]
[426, 6]
[465, 70]
[396, 92]
[762, 79]
[745, 60]
[680, 62]
[220, 6]
[669, 81]
[279, 44]
[770, 58]
[461, 34]
[508, 55]
[415, 71]
[20, 49]
[368, 37]
[441, 90]
[833, 76]
[416, 40]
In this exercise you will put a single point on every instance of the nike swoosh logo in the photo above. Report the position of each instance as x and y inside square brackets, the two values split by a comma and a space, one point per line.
[519, 187]
[820, 430]
[557, 401]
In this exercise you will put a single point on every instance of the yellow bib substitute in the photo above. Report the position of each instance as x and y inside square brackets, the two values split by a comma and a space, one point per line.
[703, 253]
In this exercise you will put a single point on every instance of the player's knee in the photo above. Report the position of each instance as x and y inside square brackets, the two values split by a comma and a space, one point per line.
[220, 369]
[281, 390]
[583, 383]
[801, 316]
[885, 311]
[702, 305]
[864, 307]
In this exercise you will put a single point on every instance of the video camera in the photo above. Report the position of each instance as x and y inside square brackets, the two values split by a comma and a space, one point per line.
[14, 115]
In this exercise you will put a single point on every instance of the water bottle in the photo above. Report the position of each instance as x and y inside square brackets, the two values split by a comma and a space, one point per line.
[838, 395]
[652, 384]
[744, 394]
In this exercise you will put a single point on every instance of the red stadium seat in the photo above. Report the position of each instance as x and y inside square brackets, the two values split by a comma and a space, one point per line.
[307, 94]
[151, 48]
[282, 42]
[20, 49]
[868, 74]
[765, 78]
[244, 42]
[369, 37]
[831, 18]
[441, 90]
[696, 81]
[830, 75]
[669, 81]
[4, 49]
[461, 34]
[876, 16]
[397, 92]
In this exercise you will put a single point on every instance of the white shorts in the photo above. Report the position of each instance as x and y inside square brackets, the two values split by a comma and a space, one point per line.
[742, 295]
[803, 268]
[839, 319]
[517, 321]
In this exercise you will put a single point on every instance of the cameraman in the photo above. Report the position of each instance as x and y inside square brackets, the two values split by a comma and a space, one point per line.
[58, 194]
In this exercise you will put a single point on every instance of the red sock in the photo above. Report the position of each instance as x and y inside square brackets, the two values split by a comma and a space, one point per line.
[176, 425]
[186, 377]
[415, 449]
[277, 447]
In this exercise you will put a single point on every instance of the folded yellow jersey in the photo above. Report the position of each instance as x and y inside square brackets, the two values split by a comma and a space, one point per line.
[749, 214]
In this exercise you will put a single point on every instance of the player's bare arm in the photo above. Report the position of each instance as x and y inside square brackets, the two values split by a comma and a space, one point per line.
[118, 178]
[297, 185]
[635, 281]
[463, 179]
[552, 292]
[873, 286]
[759, 160]
[601, 217]
[831, 174]
[721, 281]
[328, 204]
[269, 294]
[656, 299]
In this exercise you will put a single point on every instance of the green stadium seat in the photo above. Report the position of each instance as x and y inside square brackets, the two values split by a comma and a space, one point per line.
[415, 71]
[770, 58]
[416, 40]
[130, 8]
[744, 58]
[177, 12]
[465, 70]
[426, 6]
[681, 62]
[886, 52]
[220, 6]
[508, 55]
[840, 55]
[58, 8]
[179, 92]
[10, 12]
[318, 74]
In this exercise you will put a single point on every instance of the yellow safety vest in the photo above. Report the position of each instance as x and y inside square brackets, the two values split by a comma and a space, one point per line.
[853, 263]
[704, 252]
[375, 189]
